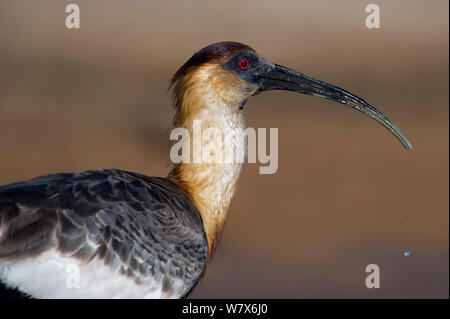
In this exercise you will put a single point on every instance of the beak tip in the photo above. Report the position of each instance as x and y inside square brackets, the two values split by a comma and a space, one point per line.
[407, 144]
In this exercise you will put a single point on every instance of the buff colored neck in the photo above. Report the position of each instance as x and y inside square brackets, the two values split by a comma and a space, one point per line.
[211, 186]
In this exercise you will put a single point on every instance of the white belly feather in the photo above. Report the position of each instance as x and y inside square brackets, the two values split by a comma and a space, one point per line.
[52, 275]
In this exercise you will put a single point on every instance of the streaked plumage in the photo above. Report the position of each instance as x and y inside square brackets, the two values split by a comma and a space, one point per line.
[144, 228]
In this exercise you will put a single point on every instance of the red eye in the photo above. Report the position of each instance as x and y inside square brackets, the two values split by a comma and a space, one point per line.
[243, 64]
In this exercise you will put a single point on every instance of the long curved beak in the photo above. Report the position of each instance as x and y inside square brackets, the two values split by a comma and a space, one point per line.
[282, 78]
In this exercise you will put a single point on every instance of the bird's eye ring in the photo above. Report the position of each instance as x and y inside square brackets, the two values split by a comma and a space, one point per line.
[243, 64]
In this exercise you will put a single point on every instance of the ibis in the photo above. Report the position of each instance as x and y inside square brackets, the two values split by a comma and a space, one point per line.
[112, 233]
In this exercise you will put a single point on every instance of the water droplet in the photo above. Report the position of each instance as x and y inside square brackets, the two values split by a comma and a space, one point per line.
[407, 253]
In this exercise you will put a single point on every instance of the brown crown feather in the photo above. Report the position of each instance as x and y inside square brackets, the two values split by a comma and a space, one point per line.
[217, 53]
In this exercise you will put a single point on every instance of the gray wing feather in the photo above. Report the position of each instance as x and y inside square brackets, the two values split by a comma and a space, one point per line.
[143, 227]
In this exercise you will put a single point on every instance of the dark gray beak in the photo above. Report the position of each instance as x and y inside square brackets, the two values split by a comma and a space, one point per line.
[282, 78]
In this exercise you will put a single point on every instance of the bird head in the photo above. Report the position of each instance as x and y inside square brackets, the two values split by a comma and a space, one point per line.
[235, 72]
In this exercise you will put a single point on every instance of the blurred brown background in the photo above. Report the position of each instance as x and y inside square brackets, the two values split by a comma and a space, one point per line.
[346, 193]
